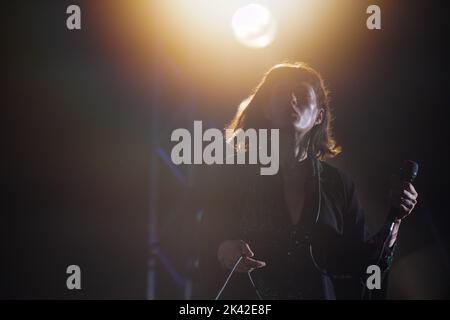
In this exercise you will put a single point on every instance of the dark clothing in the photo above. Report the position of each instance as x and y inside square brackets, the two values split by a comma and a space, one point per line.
[323, 256]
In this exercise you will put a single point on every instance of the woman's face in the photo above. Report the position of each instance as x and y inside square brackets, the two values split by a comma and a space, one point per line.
[294, 108]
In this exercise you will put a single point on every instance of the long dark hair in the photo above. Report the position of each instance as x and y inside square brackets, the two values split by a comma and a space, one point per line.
[250, 113]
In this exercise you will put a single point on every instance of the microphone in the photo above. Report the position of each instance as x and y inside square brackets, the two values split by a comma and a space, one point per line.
[407, 173]
[409, 170]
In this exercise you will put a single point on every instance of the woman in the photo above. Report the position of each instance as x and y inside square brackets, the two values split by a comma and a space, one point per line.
[301, 232]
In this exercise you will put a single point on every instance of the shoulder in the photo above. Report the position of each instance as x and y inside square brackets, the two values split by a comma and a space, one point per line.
[336, 180]
[333, 173]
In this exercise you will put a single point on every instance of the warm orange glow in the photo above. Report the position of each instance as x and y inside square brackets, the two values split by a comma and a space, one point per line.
[209, 41]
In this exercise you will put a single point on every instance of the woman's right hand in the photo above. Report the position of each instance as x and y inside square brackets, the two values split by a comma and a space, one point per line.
[229, 252]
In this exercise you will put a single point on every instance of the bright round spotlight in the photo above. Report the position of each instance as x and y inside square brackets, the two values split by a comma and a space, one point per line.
[254, 26]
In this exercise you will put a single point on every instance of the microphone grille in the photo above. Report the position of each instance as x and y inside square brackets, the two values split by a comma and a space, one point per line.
[409, 170]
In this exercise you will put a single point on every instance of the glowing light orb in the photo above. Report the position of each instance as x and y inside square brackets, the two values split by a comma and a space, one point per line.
[254, 26]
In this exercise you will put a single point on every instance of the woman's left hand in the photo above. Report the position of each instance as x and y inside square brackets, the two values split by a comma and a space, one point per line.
[403, 196]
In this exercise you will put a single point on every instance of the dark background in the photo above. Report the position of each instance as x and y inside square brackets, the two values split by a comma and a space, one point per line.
[88, 116]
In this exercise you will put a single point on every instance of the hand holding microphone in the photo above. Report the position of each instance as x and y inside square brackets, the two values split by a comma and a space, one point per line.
[403, 198]
[403, 195]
